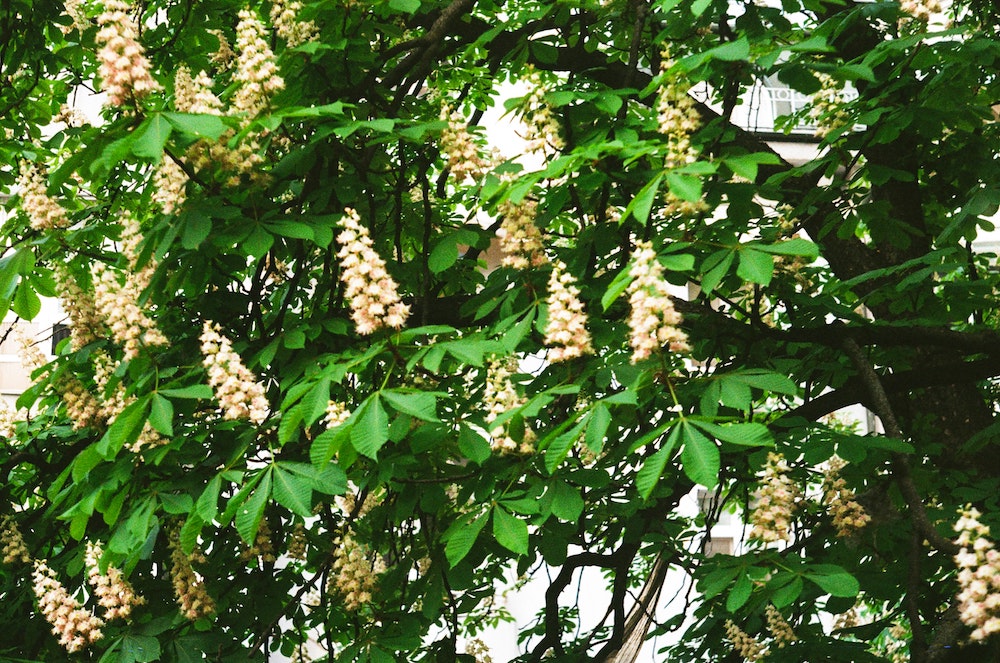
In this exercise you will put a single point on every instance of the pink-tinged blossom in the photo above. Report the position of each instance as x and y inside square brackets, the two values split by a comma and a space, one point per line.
[567, 323]
[239, 393]
[285, 18]
[117, 300]
[848, 515]
[256, 67]
[192, 596]
[372, 294]
[520, 238]
[125, 71]
[355, 572]
[653, 322]
[776, 500]
[42, 210]
[75, 627]
[978, 576]
[114, 592]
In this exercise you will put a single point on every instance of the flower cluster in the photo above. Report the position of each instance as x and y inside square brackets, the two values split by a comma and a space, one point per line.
[653, 321]
[542, 126]
[743, 643]
[520, 238]
[114, 593]
[978, 576]
[169, 185]
[372, 293]
[224, 55]
[478, 649]
[828, 111]
[9, 418]
[194, 95]
[348, 502]
[82, 407]
[460, 149]
[848, 516]
[285, 18]
[118, 304]
[499, 397]
[131, 244]
[84, 318]
[70, 116]
[256, 67]
[355, 572]
[775, 500]
[76, 12]
[336, 414]
[31, 356]
[124, 68]
[14, 549]
[921, 10]
[567, 323]
[240, 395]
[677, 118]
[263, 545]
[75, 627]
[298, 543]
[193, 598]
[780, 629]
[42, 210]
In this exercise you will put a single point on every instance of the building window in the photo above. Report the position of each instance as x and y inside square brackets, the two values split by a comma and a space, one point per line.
[59, 332]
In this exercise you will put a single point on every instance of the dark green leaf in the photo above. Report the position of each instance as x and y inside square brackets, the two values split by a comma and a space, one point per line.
[461, 536]
[419, 404]
[740, 593]
[651, 471]
[755, 266]
[700, 457]
[292, 492]
[371, 431]
[152, 137]
[510, 531]
[161, 415]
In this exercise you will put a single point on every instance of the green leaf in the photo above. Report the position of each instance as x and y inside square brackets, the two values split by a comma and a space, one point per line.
[197, 227]
[797, 246]
[407, 6]
[558, 449]
[138, 649]
[619, 285]
[715, 268]
[419, 404]
[785, 594]
[125, 429]
[292, 492]
[700, 457]
[161, 415]
[834, 580]
[649, 474]
[740, 593]
[207, 505]
[461, 536]
[685, 187]
[371, 431]
[567, 503]
[251, 512]
[258, 242]
[743, 434]
[473, 445]
[510, 531]
[154, 134]
[755, 266]
[597, 427]
[642, 204]
[198, 125]
[26, 302]
[200, 391]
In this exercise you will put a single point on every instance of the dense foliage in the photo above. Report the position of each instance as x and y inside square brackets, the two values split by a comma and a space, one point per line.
[302, 401]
